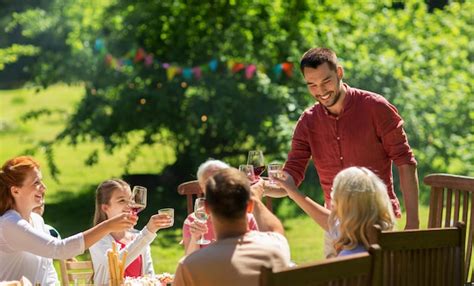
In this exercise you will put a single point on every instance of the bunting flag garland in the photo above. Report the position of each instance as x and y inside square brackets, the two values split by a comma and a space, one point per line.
[136, 56]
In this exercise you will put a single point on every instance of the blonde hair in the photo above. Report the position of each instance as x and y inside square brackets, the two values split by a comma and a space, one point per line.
[359, 201]
[103, 194]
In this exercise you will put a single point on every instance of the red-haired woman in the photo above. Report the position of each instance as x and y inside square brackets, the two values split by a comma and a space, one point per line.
[26, 248]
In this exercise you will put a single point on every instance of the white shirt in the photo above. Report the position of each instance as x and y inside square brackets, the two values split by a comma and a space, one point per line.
[139, 246]
[26, 249]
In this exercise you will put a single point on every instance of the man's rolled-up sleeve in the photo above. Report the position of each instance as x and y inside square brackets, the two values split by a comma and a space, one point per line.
[389, 126]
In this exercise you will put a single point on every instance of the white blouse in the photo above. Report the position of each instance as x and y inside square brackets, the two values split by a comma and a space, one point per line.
[26, 249]
[140, 245]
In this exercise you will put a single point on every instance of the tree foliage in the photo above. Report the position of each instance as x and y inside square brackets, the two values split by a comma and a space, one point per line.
[420, 60]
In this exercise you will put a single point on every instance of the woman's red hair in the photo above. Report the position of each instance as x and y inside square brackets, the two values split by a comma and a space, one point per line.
[13, 174]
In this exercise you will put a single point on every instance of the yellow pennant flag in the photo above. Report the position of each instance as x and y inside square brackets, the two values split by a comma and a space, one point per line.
[171, 72]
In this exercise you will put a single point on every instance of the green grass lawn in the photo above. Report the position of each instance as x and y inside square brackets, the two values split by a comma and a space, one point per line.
[70, 201]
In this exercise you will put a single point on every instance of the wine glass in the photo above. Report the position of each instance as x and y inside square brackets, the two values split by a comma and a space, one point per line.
[255, 159]
[201, 216]
[138, 201]
[274, 171]
[248, 171]
[168, 211]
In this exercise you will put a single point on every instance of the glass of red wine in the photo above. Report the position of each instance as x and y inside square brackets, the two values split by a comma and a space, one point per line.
[138, 201]
[256, 159]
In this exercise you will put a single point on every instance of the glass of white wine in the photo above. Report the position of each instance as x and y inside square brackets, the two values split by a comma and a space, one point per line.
[248, 171]
[275, 171]
[201, 216]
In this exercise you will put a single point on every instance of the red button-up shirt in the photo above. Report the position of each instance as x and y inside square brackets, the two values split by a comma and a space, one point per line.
[368, 133]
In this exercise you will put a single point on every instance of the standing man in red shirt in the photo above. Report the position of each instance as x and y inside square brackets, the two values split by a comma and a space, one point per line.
[350, 127]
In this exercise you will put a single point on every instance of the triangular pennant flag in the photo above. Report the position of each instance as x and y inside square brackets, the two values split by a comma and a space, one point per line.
[213, 65]
[277, 70]
[249, 71]
[108, 59]
[230, 64]
[148, 60]
[172, 71]
[288, 68]
[99, 45]
[131, 53]
[238, 67]
[187, 73]
[113, 63]
[139, 55]
[197, 72]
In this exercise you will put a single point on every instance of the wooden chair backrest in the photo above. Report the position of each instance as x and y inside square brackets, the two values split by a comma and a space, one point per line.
[192, 191]
[362, 269]
[452, 201]
[76, 272]
[423, 256]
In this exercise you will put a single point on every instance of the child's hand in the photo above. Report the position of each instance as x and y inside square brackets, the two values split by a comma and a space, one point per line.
[159, 221]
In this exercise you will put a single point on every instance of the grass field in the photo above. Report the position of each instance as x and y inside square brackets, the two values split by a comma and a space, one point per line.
[70, 201]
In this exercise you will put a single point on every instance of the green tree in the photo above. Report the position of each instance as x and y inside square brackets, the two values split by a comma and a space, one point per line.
[421, 60]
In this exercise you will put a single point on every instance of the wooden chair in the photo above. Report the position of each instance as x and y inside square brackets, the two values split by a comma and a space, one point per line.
[362, 269]
[423, 256]
[451, 201]
[192, 191]
[76, 272]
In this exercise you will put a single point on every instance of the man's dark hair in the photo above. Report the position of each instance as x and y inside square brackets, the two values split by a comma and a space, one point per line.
[315, 57]
[227, 194]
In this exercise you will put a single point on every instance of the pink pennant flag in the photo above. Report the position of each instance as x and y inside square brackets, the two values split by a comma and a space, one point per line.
[197, 72]
[148, 60]
[250, 70]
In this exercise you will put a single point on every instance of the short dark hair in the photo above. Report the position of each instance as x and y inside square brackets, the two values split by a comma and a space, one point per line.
[227, 194]
[317, 56]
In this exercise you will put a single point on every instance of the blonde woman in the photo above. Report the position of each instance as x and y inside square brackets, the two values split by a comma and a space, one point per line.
[359, 201]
